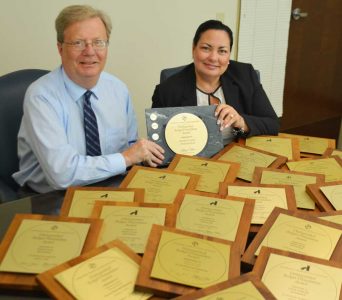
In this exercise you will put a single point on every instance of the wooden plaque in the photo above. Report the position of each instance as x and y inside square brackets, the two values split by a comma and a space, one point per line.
[202, 165]
[332, 152]
[243, 224]
[305, 275]
[289, 192]
[268, 142]
[278, 161]
[222, 289]
[99, 204]
[257, 176]
[165, 288]
[315, 192]
[70, 192]
[169, 215]
[310, 146]
[249, 256]
[24, 281]
[156, 186]
[331, 216]
[330, 167]
[57, 291]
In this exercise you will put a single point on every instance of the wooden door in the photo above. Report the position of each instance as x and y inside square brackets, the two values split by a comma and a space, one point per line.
[313, 83]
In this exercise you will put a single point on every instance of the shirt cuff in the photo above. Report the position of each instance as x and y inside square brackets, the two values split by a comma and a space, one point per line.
[117, 163]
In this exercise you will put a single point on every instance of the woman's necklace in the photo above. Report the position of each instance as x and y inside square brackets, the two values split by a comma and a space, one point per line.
[212, 99]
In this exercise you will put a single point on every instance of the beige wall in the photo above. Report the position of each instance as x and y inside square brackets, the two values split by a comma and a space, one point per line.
[147, 36]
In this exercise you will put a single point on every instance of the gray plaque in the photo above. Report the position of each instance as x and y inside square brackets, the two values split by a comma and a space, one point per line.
[188, 130]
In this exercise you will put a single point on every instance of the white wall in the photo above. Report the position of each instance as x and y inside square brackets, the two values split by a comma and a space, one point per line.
[147, 36]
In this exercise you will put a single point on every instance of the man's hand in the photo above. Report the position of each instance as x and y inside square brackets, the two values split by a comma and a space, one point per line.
[144, 151]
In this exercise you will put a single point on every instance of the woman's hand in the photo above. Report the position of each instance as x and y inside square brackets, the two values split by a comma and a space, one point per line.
[228, 116]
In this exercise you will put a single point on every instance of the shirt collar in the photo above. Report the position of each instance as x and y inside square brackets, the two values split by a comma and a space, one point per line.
[75, 91]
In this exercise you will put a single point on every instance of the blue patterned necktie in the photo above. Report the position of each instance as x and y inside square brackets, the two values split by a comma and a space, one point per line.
[90, 127]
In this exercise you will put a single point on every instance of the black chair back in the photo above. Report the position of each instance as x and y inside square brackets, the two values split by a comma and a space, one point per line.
[12, 91]
[166, 73]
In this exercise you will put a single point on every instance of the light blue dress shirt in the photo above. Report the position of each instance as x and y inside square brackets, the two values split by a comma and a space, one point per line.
[51, 142]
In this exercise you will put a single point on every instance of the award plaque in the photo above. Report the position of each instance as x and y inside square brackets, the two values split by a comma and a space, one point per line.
[177, 262]
[249, 158]
[247, 286]
[299, 233]
[212, 172]
[298, 180]
[332, 152]
[130, 222]
[311, 146]
[106, 272]
[266, 196]
[327, 195]
[35, 243]
[161, 185]
[275, 144]
[331, 167]
[331, 216]
[188, 130]
[226, 218]
[293, 276]
[79, 201]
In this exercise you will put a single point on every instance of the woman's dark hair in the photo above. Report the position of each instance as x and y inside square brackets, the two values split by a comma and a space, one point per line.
[212, 24]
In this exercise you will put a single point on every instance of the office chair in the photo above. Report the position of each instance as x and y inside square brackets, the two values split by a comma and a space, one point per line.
[12, 91]
[166, 73]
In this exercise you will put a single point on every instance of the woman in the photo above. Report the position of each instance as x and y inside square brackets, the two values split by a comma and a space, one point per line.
[243, 108]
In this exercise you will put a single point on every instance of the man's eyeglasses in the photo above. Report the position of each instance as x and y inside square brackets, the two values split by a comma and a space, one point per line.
[82, 44]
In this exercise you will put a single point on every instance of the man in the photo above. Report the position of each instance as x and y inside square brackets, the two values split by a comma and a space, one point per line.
[79, 126]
